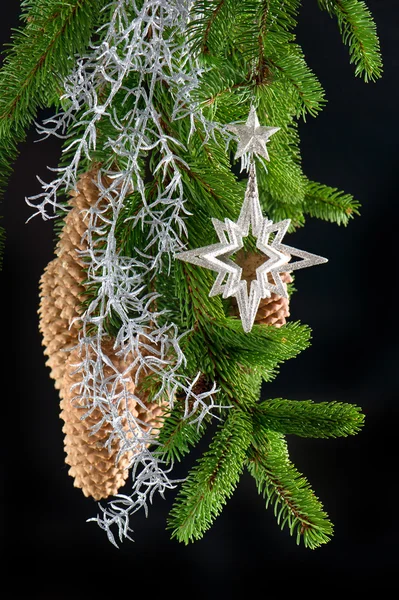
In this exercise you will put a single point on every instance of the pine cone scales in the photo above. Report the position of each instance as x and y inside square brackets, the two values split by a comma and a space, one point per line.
[60, 297]
[92, 465]
[273, 310]
[61, 289]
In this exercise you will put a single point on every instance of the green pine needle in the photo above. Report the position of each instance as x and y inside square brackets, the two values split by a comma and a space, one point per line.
[291, 66]
[41, 53]
[287, 491]
[250, 56]
[178, 436]
[329, 204]
[306, 419]
[359, 32]
[264, 348]
[212, 480]
[38, 56]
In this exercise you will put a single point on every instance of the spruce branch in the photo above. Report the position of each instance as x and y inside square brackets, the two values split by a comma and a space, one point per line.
[292, 66]
[285, 180]
[261, 70]
[214, 12]
[329, 204]
[210, 23]
[177, 437]
[212, 480]
[142, 105]
[41, 54]
[279, 212]
[38, 56]
[359, 32]
[288, 491]
[285, 13]
[306, 419]
[265, 346]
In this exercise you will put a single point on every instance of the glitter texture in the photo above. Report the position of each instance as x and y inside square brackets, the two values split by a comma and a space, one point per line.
[253, 137]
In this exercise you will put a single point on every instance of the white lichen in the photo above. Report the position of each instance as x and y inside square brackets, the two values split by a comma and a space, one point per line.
[141, 39]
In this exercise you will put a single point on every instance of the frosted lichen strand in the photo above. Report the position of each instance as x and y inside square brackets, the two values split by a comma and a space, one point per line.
[141, 38]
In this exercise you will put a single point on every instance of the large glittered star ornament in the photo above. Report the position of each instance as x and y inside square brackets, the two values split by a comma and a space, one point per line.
[268, 237]
[253, 137]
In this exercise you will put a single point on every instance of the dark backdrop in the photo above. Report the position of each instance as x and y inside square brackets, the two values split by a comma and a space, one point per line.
[349, 304]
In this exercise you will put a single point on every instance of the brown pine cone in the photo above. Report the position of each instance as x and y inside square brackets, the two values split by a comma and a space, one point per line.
[94, 465]
[273, 310]
[61, 292]
[61, 285]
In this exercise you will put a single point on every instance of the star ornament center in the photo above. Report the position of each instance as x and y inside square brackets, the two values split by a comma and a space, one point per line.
[268, 235]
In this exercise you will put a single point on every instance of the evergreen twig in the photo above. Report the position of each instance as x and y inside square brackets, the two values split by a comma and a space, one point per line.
[294, 502]
[329, 204]
[178, 436]
[359, 32]
[212, 480]
[38, 56]
[306, 419]
[250, 56]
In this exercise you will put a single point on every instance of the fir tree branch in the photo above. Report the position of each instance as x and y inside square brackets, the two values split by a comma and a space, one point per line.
[213, 15]
[329, 203]
[267, 346]
[284, 179]
[295, 504]
[277, 211]
[293, 68]
[39, 56]
[262, 73]
[178, 436]
[41, 53]
[306, 419]
[284, 14]
[216, 345]
[210, 25]
[359, 32]
[212, 480]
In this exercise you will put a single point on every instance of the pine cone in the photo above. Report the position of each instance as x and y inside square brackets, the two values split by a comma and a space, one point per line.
[93, 466]
[273, 310]
[61, 285]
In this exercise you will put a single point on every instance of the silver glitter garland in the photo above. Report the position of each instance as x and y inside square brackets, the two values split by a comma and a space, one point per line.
[229, 282]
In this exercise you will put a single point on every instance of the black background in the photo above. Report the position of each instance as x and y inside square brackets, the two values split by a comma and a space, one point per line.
[349, 304]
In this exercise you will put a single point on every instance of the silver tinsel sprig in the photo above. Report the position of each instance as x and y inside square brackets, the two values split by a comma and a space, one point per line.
[126, 48]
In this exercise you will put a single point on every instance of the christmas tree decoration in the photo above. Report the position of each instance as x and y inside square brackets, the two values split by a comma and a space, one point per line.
[252, 136]
[229, 281]
[153, 102]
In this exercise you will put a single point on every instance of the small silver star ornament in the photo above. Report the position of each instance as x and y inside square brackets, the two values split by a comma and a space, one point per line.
[269, 238]
[253, 137]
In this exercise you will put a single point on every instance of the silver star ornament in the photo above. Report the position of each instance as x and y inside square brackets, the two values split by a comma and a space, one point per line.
[253, 137]
[269, 237]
